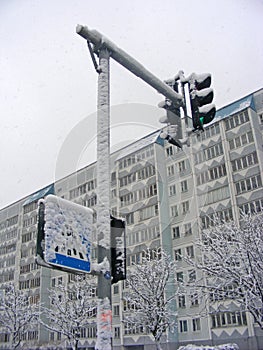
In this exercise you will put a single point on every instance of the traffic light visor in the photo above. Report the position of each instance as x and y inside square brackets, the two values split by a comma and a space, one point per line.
[202, 81]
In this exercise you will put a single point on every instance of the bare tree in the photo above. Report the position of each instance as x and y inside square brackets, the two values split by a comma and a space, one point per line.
[147, 298]
[17, 314]
[72, 309]
[232, 260]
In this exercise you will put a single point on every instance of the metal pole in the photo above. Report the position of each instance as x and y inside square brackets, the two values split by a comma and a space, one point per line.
[104, 337]
[122, 57]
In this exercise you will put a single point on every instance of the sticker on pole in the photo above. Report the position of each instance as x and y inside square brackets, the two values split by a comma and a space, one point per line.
[67, 230]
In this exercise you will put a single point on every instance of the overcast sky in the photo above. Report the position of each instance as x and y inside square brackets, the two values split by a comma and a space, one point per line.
[48, 85]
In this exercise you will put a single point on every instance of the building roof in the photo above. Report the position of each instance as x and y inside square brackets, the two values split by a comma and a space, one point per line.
[40, 194]
[141, 143]
[235, 107]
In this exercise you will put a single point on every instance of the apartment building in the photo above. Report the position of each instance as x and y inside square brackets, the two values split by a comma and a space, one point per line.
[166, 196]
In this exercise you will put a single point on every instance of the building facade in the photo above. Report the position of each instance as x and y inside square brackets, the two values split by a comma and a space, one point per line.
[167, 196]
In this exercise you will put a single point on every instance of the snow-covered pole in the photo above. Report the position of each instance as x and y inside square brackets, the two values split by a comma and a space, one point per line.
[104, 337]
[98, 40]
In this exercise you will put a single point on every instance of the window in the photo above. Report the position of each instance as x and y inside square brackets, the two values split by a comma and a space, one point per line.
[176, 232]
[183, 326]
[12, 221]
[178, 254]
[187, 229]
[214, 196]
[244, 162]
[252, 207]
[248, 184]
[91, 185]
[116, 310]
[208, 153]
[185, 207]
[32, 335]
[184, 186]
[172, 190]
[236, 120]
[174, 210]
[241, 140]
[182, 166]
[196, 322]
[93, 292]
[113, 178]
[148, 212]
[30, 221]
[211, 174]
[226, 319]
[26, 237]
[181, 301]
[115, 289]
[180, 276]
[129, 218]
[91, 332]
[208, 132]
[191, 275]
[169, 151]
[30, 207]
[190, 251]
[170, 170]
[73, 193]
[144, 173]
[35, 282]
[128, 179]
[194, 299]
[224, 215]
[117, 332]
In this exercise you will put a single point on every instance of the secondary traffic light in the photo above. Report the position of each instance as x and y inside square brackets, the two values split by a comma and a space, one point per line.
[172, 118]
[118, 250]
[201, 96]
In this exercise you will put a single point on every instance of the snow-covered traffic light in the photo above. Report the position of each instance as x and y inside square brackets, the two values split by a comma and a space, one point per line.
[173, 131]
[118, 250]
[201, 96]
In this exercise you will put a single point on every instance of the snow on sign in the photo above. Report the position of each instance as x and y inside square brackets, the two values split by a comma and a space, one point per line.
[66, 231]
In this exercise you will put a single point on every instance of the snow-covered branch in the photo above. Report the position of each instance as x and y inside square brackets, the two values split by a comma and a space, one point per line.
[147, 300]
[17, 314]
[72, 309]
[232, 261]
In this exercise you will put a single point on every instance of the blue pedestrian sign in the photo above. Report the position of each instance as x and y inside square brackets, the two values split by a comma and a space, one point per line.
[64, 234]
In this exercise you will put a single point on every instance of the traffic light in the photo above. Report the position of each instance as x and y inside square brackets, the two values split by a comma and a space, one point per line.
[201, 96]
[118, 250]
[172, 118]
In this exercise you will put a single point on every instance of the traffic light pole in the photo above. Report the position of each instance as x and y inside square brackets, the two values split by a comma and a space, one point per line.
[104, 317]
[105, 49]
[123, 58]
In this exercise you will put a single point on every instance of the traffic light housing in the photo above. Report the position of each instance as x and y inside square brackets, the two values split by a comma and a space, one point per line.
[172, 118]
[118, 250]
[201, 96]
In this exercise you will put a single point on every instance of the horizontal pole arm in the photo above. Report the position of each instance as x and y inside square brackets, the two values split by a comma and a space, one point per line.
[99, 41]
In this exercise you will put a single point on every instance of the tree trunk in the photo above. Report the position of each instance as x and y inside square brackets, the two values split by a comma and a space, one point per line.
[158, 346]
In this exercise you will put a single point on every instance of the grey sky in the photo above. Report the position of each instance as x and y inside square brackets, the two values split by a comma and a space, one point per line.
[48, 85]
